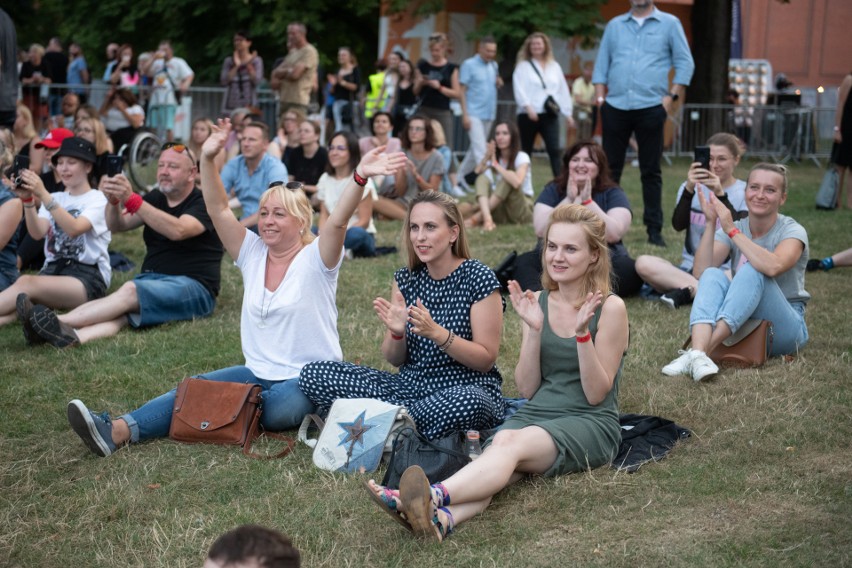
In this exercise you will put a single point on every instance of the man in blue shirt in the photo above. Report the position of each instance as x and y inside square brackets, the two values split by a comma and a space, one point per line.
[479, 81]
[248, 175]
[631, 78]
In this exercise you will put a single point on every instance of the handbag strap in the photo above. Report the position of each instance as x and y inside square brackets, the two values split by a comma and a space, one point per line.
[255, 433]
[543, 84]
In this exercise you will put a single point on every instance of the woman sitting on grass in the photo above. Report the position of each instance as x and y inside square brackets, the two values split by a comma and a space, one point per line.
[73, 225]
[503, 183]
[769, 254]
[677, 284]
[289, 285]
[423, 171]
[444, 322]
[574, 337]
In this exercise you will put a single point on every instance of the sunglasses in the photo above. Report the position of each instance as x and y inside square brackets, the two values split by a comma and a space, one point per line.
[178, 148]
[291, 185]
[339, 148]
[436, 37]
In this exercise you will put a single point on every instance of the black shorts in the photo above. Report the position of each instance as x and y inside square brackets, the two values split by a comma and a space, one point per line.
[88, 274]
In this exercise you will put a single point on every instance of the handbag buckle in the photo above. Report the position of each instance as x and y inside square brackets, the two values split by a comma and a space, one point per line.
[204, 425]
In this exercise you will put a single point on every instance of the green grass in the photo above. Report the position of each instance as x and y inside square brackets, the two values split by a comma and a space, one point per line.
[765, 480]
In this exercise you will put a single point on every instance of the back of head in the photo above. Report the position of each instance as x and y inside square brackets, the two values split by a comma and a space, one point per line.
[268, 548]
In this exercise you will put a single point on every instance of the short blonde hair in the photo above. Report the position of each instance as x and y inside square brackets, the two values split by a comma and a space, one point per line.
[451, 214]
[296, 203]
[598, 275]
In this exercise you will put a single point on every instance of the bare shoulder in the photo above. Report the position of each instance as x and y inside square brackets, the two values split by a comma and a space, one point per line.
[614, 309]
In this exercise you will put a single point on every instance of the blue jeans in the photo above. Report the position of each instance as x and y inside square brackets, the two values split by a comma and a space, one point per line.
[284, 405]
[750, 295]
[360, 242]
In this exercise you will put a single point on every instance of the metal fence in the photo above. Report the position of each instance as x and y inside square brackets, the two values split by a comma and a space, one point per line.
[778, 133]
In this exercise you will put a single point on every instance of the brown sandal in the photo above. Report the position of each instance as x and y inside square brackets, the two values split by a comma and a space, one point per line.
[416, 495]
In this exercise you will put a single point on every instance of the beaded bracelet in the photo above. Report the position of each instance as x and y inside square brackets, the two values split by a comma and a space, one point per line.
[448, 342]
[52, 205]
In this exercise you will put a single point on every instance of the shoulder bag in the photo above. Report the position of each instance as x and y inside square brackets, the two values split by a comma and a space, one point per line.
[749, 347]
[550, 104]
[217, 412]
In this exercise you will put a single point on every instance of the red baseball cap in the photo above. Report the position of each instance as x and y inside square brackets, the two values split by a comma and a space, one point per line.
[54, 138]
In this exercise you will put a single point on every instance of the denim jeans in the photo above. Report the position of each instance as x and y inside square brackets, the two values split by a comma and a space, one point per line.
[648, 125]
[548, 126]
[284, 405]
[360, 242]
[750, 295]
[478, 134]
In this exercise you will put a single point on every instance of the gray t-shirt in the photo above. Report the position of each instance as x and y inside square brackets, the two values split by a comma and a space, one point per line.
[792, 282]
[433, 164]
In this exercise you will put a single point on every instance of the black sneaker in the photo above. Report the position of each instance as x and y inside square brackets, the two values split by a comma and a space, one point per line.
[47, 325]
[676, 298]
[24, 307]
[656, 239]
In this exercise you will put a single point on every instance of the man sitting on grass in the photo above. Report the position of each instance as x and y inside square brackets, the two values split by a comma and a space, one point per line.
[181, 271]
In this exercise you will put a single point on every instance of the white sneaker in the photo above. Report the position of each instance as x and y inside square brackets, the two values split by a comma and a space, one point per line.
[702, 366]
[458, 191]
[680, 366]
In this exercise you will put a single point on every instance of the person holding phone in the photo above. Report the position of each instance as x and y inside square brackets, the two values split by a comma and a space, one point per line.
[713, 171]
[77, 265]
[769, 255]
[10, 214]
[180, 274]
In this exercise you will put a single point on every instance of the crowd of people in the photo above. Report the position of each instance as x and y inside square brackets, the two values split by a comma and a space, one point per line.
[289, 208]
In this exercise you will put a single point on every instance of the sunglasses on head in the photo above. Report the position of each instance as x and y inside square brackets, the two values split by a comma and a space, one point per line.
[178, 148]
[291, 185]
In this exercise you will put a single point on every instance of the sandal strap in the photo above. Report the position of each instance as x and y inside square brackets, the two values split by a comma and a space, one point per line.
[445, 530]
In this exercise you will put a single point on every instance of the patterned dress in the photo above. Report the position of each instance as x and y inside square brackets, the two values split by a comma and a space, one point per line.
[441, 395]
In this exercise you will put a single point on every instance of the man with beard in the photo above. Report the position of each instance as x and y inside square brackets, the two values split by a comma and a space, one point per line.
[181, 271]
[631, 78]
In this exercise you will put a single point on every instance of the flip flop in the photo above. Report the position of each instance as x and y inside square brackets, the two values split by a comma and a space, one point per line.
[416, 495]
[387, 507]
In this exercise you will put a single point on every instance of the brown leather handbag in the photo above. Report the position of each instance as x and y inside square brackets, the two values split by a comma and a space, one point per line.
[749, 347]
[217, 412]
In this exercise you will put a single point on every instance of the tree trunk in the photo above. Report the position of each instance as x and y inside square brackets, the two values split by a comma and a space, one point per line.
[711, 48]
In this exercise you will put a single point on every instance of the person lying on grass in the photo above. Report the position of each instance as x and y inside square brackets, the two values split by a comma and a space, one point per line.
[289, 282]
[575, 334]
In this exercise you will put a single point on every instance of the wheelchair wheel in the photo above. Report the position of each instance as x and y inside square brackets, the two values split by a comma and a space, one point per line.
[140, 160]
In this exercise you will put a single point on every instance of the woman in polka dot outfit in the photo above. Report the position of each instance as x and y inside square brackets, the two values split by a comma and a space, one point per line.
[444, 321]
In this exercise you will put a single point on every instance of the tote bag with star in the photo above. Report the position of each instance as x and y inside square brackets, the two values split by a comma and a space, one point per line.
[355, 435]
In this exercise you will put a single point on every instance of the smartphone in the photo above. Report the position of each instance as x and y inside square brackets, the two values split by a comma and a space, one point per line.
[21, 163]
[702, 156]
[114, 164]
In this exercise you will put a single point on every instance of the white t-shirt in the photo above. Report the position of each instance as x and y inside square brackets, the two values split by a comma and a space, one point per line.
[521, 159]
[284, 330]
[330, 189]
[114, 118]
[162, 91]
[88, 248]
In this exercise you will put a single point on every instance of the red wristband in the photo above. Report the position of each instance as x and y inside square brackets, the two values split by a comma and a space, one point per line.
[396, 337]
[584, 338]
[133, 203]
[30, 200]
[587, 202]
[362, 181]
[733, 233]
[113, 201]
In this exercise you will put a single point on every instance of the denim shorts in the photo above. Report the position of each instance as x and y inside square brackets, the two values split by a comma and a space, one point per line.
[8, 276]
[163, 298]
[88, 274]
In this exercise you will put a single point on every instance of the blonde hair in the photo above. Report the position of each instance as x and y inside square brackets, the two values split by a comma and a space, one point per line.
[453, 217]
[29, 130]
[524, 53]
[101, 139]
[779, 169]
[7, 149]
[296, 203]
[598, 274]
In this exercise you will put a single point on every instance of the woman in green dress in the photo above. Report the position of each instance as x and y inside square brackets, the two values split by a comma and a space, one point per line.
[574, 336]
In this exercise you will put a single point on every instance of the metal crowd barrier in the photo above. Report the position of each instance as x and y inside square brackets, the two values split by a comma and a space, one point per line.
[780, 133]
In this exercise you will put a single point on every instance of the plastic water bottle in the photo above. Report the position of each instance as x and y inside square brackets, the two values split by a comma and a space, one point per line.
[471, 444]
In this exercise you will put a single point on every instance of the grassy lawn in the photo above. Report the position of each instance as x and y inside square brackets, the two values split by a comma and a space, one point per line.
[764, 481]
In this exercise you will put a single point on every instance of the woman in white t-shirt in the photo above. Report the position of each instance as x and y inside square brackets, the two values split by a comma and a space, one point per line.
[289, 286]
[76, 237]
[343, 156]
[504, 181]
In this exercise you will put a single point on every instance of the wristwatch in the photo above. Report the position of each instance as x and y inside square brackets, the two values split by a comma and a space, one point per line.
[674, 96]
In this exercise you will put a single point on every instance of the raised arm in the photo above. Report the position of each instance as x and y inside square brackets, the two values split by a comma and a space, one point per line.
[599, 360]
[374, 163]
[230, 231]
[73, 226]
[528, 369]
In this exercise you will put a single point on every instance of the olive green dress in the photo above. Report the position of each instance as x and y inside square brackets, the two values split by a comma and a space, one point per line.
[586, 436]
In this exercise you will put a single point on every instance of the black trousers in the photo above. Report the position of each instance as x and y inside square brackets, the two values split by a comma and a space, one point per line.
[547, 126]
[648, 126]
